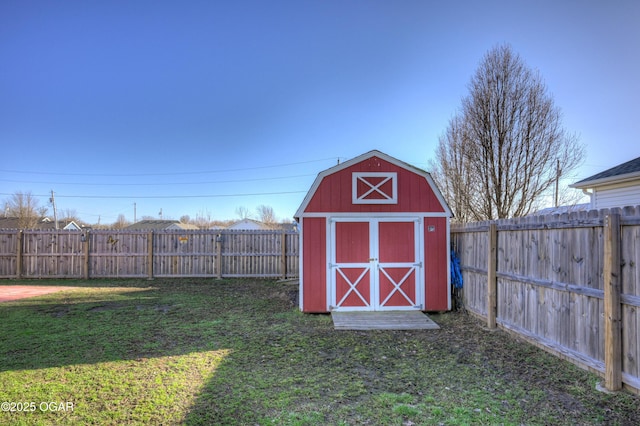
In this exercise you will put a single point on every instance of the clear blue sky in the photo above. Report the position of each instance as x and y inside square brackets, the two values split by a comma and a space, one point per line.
[199, 107]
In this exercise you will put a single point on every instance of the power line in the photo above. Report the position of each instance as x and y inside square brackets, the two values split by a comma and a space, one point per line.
[157, 183]
[167, 174]
[132, 197]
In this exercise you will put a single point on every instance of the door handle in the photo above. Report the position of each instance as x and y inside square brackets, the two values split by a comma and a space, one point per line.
[372, 259]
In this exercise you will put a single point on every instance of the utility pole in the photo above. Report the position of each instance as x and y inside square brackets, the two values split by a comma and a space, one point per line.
[557, 180]
[55, 210]
[134, 213]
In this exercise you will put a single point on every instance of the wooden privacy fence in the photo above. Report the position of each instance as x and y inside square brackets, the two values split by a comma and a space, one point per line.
[120, 254]
[567, 283]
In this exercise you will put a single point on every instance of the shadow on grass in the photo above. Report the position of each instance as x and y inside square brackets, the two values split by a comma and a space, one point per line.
[124, 352]
[260, 361]
[107, 321]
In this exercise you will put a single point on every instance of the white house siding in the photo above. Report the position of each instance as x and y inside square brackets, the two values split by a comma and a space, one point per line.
[618, 195]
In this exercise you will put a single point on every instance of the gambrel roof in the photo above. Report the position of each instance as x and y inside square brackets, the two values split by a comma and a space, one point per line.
[355, 164]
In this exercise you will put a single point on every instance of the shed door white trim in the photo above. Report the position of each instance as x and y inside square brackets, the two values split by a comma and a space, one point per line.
[367, 272]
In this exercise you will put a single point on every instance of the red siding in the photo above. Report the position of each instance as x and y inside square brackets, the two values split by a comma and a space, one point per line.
[314, 275]
[353, 242]
[334, 192]
[333, 195]
[436, 261]
[397, 245]
[397, 242]
[352, 246]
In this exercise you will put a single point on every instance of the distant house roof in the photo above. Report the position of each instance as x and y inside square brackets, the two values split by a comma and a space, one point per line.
[160, 225]
[620, 173]
[252, 224]
[562, 209]
[249, 224]
[43, 223]
[69, 225]
[9, 223]
[288, 226]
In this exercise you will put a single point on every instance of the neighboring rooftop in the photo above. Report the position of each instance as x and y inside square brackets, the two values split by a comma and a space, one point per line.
[562, 209]
[42, 223]
[625, 171]
[160, 224]
[251, 224]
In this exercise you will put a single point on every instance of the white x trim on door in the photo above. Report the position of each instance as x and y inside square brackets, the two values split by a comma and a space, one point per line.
[359, 279]
[397, 285]
[353, 286]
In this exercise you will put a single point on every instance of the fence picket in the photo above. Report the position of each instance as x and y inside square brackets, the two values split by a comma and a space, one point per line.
[550, 286]
[113, 254]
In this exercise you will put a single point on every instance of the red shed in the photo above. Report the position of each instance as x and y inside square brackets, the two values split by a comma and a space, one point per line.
[375, 236]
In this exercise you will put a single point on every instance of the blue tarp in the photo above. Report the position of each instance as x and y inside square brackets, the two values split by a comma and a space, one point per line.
[456, 274]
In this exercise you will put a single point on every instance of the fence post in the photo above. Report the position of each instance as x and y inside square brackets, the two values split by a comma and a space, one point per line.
[19, 254]
[612, 308]
[219, 256]
[492, 290]
[87, 247]
[283, 259]
[150, 254]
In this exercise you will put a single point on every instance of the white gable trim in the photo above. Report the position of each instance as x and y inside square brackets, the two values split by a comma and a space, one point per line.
[609, 180]
[360, 158]
[362, 215]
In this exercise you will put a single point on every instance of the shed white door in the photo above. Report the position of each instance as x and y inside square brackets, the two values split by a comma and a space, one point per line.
[375, 264]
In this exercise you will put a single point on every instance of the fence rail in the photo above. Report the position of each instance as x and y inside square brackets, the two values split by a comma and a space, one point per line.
[120, 254]
[567, 283]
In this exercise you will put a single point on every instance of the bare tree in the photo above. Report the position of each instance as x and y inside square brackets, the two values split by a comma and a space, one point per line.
[121, 222]
[267, 215]
[71, 215]
[501, 153]
[243, 212]
[25, 207]
[451, 173]
[203, 219]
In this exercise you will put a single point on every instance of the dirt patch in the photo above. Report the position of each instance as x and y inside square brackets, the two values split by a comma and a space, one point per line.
[16, 292]
[115, 306]
[107, 307]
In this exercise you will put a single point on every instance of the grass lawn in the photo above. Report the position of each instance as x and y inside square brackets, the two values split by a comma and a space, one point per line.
[204, 351]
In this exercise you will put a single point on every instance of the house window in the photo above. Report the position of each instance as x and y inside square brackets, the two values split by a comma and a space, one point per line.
[374, 188]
